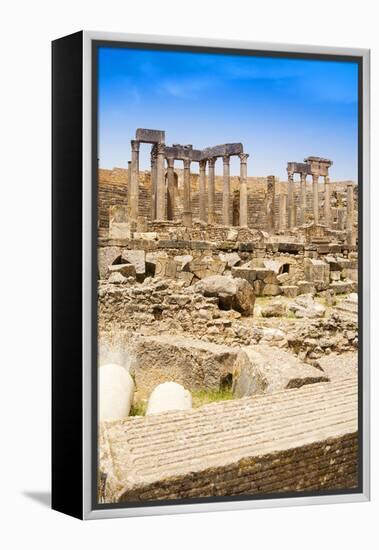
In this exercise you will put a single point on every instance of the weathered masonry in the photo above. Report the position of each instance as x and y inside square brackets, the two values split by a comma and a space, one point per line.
[263, 445]
[190, 192]
[162, 208]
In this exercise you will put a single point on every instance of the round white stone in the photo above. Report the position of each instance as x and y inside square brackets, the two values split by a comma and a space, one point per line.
[169, 396]
[116, 389]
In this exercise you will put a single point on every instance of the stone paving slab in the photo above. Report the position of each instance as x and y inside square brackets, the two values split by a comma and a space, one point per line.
[293, 440]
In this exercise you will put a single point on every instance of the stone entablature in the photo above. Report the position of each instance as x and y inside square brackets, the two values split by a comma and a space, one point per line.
[162, 203]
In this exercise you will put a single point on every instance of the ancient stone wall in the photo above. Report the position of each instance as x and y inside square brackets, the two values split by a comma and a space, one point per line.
[112, 189]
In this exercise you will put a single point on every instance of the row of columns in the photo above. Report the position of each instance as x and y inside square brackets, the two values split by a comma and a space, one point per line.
[158, 191]
[287, 207]
[291, 215]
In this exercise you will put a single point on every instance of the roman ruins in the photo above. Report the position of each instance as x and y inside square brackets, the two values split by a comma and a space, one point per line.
[231, 303]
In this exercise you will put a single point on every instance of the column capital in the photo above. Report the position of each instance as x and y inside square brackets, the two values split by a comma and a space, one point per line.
[243, 157]
[187, 164]
[202, 164]
[153, 154]
[135, 145]
[161, 148]
[226, 159]
[290, 174]
[170, 162]
[211, 161]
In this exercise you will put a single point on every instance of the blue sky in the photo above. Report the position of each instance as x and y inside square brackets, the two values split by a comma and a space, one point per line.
[280, 109]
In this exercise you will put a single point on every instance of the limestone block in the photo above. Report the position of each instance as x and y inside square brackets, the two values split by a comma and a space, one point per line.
[117, 278]
[232, 235]
[241, 292]
[291, 291]
[246, 273]
[258, 445]
[169, 396]
[160, 264]
[306, 287]
[274, 337]
[271, 290]
[258, 287]
[335, 275]
[116, 390]
[127, 270]
[207, 266]
[231, 258]
[146, 235]
[274, 309]
[183, 262]
[119, 230]
[341, 287]
[135, 257]
[194, 363]
[316, 271]
[106, 255]
[306, 306]
[119, 226]
[283, 278]
[264, 369]
[185, 276]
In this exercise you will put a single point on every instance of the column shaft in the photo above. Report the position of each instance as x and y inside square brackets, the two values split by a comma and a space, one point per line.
[202, 191]
[270, 204]
[327, 213]
[187, 213]
[282, 212]
[170, 189]
[211, 190]
[134, 181]
[243, 189]
[153, 161]
[160, 196]
[129, 185]
[315, 198]
[303, 197]
[291, 201]
[226, 190]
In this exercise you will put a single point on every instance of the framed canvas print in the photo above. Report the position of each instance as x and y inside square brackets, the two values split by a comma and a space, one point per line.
[210, 275]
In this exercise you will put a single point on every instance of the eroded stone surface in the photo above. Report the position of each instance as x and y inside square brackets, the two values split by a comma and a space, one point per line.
[240, 292]
[264, 369]
[262, 444]
[195, 364]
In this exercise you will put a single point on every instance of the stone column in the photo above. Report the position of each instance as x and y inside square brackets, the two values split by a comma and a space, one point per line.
[303, 197]
[170, 188]
[160, 197]
[270, 204]
[243, 189]
[211, 190]
[315, 197]
[291, 201]
[202, 191]
[153, 161]
[327, 211]
[226, 190]
[282, 212]
[134, 180]
[187, 213]
[129, 190]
